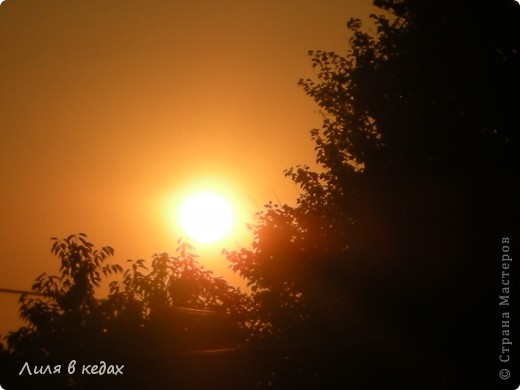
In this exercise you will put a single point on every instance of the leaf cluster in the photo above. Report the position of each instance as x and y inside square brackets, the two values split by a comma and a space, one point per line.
[171, 304]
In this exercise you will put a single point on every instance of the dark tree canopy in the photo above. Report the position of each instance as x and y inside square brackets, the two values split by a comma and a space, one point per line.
[150, 315]
[393, 239]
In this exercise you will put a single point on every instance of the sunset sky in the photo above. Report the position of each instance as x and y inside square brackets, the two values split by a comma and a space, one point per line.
[112, 111]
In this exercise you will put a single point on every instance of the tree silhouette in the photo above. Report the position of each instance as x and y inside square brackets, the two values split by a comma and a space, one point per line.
[177, 301]
[148, 320]
[393, 239]
[65, 314]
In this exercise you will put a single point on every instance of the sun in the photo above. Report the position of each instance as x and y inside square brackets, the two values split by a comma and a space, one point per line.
[206, 217]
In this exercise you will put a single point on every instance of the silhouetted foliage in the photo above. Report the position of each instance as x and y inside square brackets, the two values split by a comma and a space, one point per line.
[176, 302]
[66, 314]
[393, 239]
[149, 316]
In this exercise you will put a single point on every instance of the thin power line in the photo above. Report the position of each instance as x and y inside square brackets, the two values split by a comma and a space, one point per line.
[177, 309]
[21, 292]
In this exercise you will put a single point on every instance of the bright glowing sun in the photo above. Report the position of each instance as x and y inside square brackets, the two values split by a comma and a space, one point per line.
[206, 217]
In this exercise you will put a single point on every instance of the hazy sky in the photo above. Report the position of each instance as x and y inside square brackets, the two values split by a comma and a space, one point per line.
[111, 111]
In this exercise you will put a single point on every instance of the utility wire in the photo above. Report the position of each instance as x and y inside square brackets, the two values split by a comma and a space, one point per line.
[177, 309]
[20, 292]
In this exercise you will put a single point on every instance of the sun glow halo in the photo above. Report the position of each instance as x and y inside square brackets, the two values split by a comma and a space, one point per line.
[206, 217]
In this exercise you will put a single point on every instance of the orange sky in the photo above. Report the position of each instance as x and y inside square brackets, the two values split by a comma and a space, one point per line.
[110, 110]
